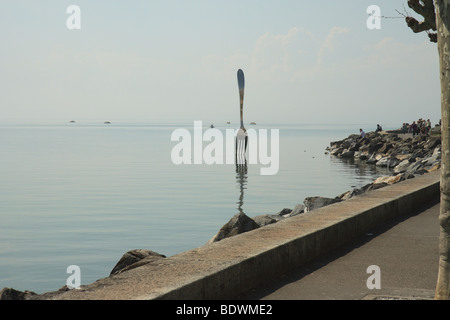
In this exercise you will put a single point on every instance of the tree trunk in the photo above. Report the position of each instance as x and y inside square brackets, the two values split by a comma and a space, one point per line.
[443, 32]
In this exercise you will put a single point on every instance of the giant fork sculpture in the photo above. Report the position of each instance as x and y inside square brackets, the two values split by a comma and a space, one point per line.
[241, 137]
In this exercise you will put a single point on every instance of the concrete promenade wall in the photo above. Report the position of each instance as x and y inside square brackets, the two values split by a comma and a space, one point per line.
[228, 268]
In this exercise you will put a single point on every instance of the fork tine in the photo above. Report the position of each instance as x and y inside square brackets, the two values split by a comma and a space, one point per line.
[240, 150]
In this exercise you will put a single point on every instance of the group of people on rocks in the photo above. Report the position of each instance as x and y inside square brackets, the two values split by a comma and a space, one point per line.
[419, 127]
[363, 134]
[422, 127]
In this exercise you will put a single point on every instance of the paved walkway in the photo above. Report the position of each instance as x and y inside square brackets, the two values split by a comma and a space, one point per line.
[406, 251]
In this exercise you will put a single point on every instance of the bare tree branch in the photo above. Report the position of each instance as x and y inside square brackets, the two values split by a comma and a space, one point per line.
[417, 26]
[433, 36]
[426, 9]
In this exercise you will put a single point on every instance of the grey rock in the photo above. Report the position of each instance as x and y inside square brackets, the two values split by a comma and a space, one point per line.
[421, 171]
[432, 143]
[433, 159]
[347, 142]
[239, 223]
[374, 158]
[393, 162]
[265, 219]
[347, 154]
[298, 209]
[350, 194]
[382, 162]
[418, 153]
[284, 212]
[437, 152]
[373, 186]
[135, 258]
[13, 294]
[388, 162]
[377, 184]
[371, 160]
[386, 147]
[402, 166]
[414, 167]
[364, 155]
[312, 203]
[375, 146]
[403, 149]
[336, 151]
[354, 146]
[419, 139]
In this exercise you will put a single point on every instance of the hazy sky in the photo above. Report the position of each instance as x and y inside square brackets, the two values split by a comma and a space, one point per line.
[176, 61]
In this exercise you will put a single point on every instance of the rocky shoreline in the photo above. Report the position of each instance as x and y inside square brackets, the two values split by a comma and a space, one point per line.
[407, 155]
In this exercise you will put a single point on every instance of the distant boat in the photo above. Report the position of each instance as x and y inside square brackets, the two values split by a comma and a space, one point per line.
[107, 122]
[211, 126]
[72, 121]
[228, 122]
[252, 122]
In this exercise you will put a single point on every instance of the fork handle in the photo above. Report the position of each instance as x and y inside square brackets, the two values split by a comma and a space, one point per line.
[241, 84]
[241, 94]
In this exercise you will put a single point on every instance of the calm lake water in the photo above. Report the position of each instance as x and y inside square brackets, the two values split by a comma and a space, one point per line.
[84, 194]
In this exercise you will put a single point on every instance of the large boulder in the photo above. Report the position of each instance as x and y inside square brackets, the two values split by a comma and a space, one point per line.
[135, 258]
[265, 219]
[300, 208]
[414, 167]
[337, 151]
[13, 294]
[432, 143]
[355, 146]
[393, 162]
[437, 152]
[435, 167]
[363, 155]
[350, 194]
[312, 203]
[390, 179]
[347, 154]
[239, 223]
[373, 186]
[284, 213]
[402, 166]
[388, 162]
[433, 159]
[403, 156]
[386, 147]
[375, 146]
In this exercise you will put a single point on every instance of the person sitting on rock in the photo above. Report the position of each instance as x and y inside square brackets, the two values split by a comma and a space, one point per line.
[379, 129]
[363, 134]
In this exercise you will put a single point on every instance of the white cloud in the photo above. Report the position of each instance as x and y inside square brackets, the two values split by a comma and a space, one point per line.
[330, 44]
[280, 53]
[292, 55]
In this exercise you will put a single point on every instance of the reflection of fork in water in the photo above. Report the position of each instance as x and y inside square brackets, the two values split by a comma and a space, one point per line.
[241, 178]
